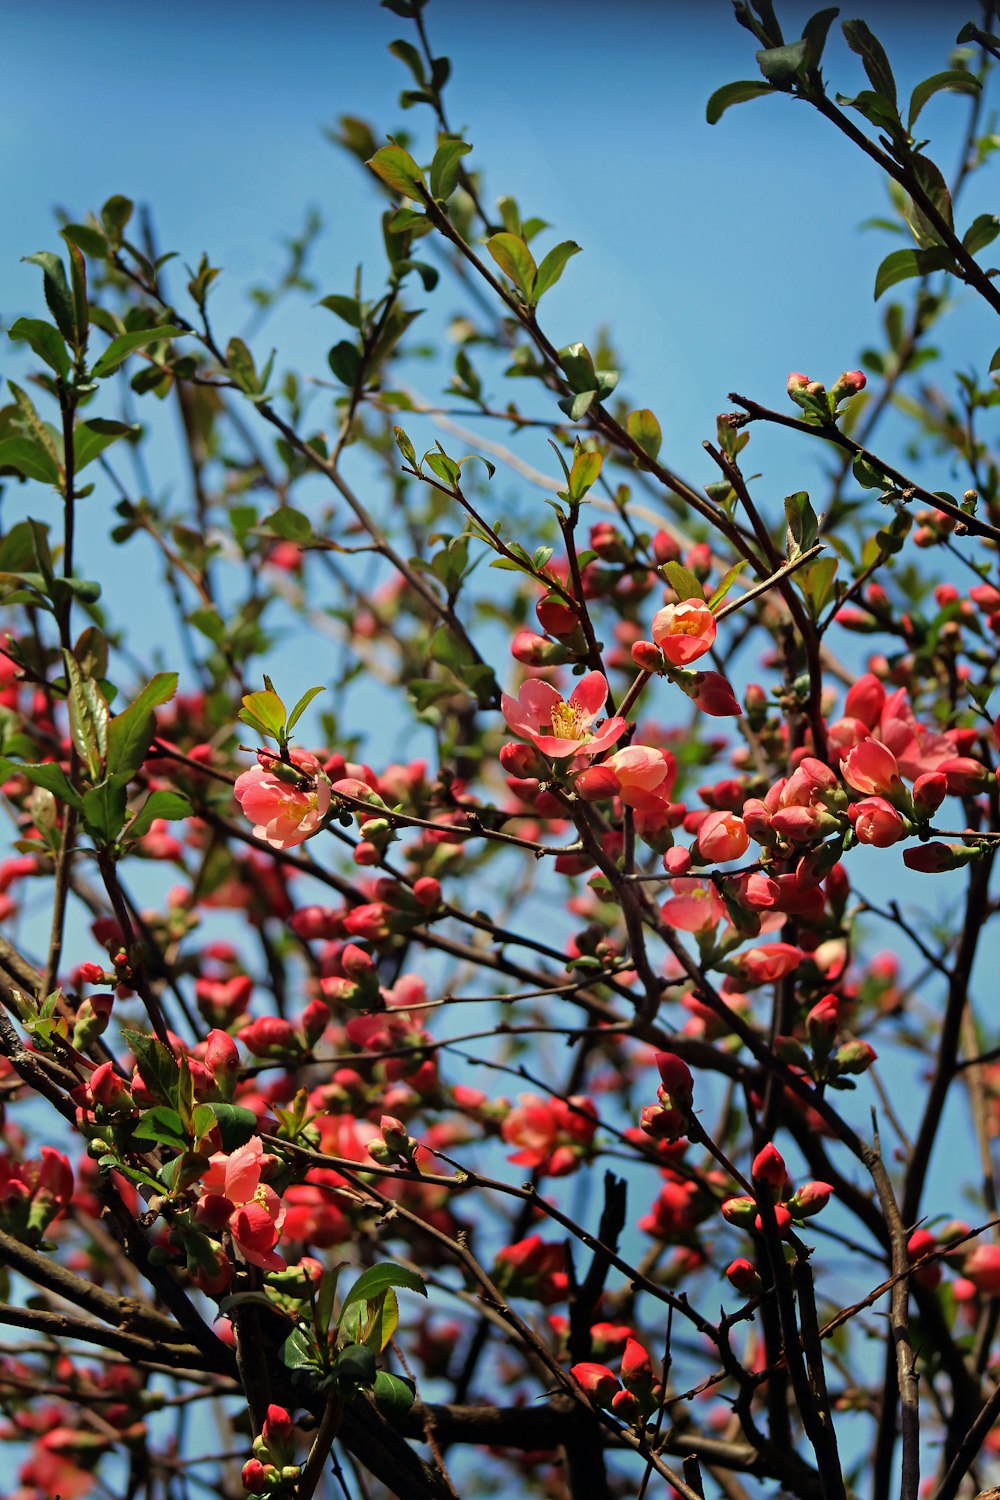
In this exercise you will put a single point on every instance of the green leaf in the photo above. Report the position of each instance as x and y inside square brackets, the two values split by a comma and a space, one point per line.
[954, 80]
[115, 216]
[902, 264]
[210, 623]
[445, 468]
[644, 429]
[814, 34]
[290, 524]
[861, 40]
[398, 171]
[684, 583]
[298, 1352]
[38, 430]
[782, 66]
[816, 583]
[344, 360]
[995, 361]
[46, 774]
[57, 292]
[104, 809]
[578, 367]
[161, 804]
[86, 238]
[157, 1065]
[734, 93]
[241, 366]
[125, 344]
[88, 718]
[803, 527]
[268, 709]
[43, 340]
[981, 232]
[91, 438]
[236, 1124]
[515, 260]
[444, 167]
[726, 583]
[935, 188]
[393, 1394]
[377, 1279]
[301, 706]
[584, 473]
[78, 288]
[29, 458]
[552, 266]
[355, 1365]
[130, 733]
[348, 309]
[867, 475]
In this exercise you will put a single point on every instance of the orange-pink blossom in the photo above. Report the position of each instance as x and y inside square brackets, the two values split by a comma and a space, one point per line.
[285, 809]
[684, 631]
[558, 727]
[234, 1197]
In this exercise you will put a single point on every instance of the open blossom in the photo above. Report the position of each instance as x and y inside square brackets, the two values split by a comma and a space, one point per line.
[550, 1132]
[693, 906]
[284, 812]
[234, 1197]
[684, 631]
[870, 767]
[559, 727]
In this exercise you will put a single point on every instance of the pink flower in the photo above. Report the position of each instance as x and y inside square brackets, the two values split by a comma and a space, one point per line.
[551, 1133]
[645, 776]
[693, 906]
[765, 964]
[233, 1196]
[684, 631]
[865, 700]
[877, 822]
[871, 767]
[722, 836]
[982, 1268]
[284, 811]
[558, 727]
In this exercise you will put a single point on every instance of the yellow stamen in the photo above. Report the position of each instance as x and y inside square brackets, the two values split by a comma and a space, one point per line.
[567, 721]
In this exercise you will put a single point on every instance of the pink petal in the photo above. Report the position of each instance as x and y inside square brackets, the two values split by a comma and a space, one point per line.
[555, 748]
[607, 735]
[591, 693]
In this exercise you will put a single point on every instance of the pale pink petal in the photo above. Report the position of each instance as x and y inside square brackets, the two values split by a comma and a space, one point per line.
[609, 733]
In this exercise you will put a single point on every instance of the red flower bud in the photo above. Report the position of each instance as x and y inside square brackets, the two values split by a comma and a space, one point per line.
[809, 1199]
[427, 892]
[769, 1167]
[647, 657]
[676, 1077]
[598, 1381]
[742, 1275]
[636, 1369]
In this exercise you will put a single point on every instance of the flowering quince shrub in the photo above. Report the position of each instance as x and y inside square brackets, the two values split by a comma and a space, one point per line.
[601, 1096]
